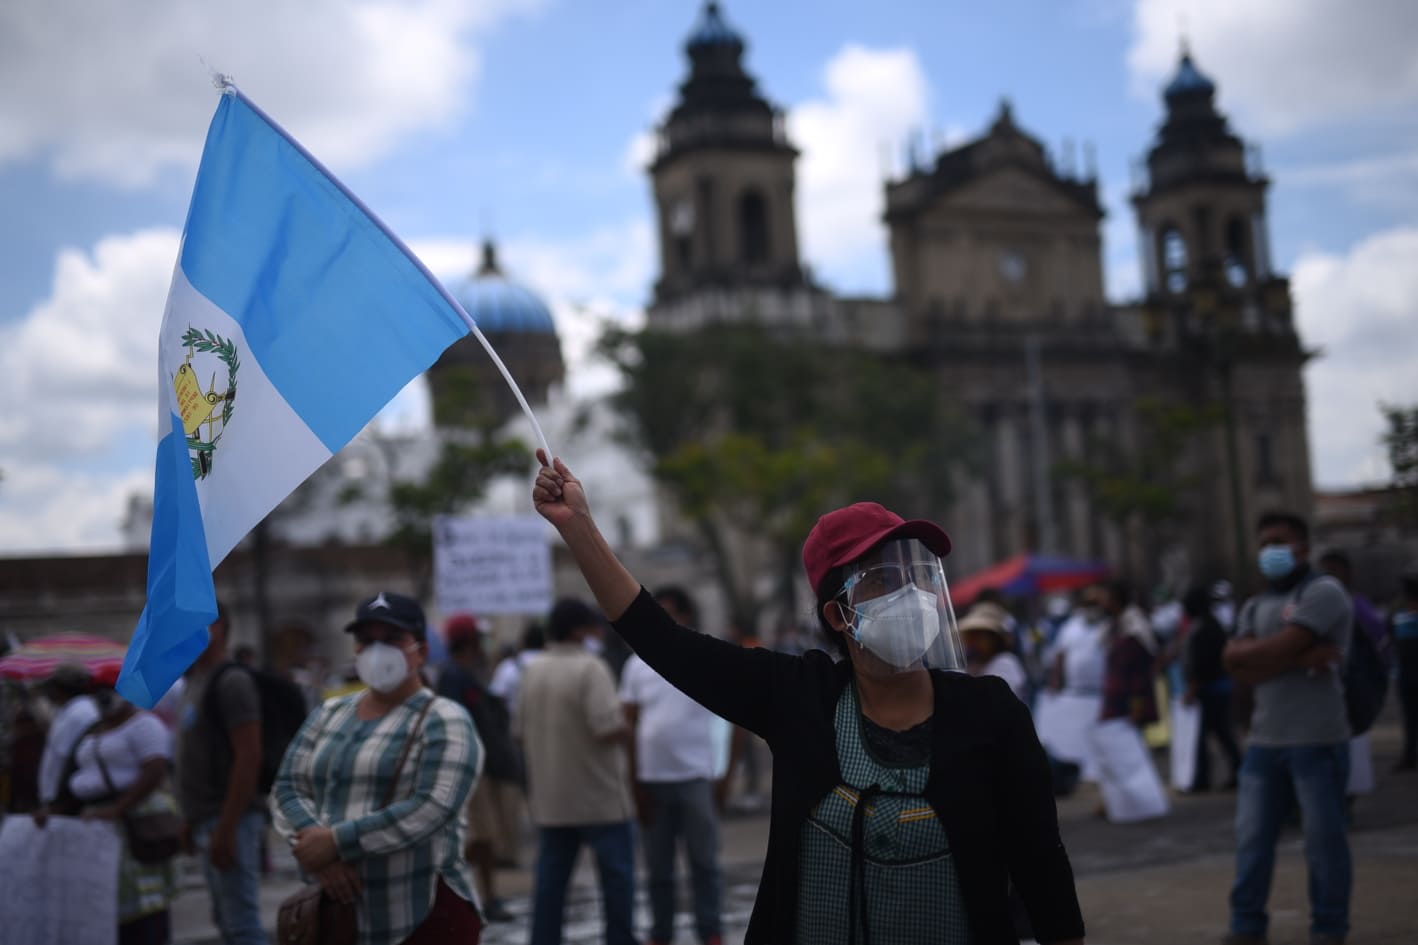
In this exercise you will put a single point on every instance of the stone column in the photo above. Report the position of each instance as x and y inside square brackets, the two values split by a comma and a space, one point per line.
[1009, 458]
[1080, 525]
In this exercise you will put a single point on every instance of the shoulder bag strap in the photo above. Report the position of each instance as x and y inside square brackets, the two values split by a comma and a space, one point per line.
[102, 767]
[404, 755]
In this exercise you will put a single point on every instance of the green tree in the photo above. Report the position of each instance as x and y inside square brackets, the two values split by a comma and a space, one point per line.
[1146, 487]
[459, 477]
[755, 434]
[1401, 441]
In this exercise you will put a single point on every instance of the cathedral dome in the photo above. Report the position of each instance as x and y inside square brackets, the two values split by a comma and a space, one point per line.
[499, 305]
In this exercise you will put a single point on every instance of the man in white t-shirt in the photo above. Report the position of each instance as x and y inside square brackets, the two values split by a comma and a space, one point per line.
[675, 758]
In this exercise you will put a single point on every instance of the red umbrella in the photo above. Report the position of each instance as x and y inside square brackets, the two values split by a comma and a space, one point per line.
[38, 659]
[1029, 574]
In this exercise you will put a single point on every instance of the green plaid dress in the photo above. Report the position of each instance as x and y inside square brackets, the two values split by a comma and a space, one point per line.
[912, 895]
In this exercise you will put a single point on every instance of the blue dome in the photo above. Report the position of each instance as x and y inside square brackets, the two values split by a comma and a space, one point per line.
[713, 30]
[499, 305]
[1189, 79]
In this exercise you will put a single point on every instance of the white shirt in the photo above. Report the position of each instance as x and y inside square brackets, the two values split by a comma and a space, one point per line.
[507, 678]
[125, 748]
[72, 719]
[1008, 667]
[1085, 659]
[675, 737]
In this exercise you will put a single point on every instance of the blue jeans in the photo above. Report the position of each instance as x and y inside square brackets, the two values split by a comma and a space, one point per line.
[683, 808]
[1272, 778]
[236, 893]
[614, 848]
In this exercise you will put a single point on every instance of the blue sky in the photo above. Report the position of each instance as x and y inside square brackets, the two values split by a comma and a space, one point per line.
[524, 119]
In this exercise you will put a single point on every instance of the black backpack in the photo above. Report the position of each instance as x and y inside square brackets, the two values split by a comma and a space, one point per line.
[1365, 680]
[283, 711]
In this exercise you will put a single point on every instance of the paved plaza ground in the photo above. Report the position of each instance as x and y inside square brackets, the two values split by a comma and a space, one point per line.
[1158, 883]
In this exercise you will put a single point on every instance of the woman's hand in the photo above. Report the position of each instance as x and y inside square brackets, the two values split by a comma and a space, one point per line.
[315, 849]
[341, 882]
[557, 494]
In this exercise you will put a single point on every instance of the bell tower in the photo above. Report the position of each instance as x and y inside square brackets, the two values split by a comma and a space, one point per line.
[1221, 316]
[1202, 213]
[723, 176]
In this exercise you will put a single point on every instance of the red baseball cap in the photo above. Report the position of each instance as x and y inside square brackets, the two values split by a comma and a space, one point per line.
[460, 627]
[842, 536]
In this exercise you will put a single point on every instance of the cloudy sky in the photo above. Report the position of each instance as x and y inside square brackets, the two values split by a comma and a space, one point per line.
[527, 120]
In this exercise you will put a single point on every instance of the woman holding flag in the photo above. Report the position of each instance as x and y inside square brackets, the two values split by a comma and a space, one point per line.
[907, 795]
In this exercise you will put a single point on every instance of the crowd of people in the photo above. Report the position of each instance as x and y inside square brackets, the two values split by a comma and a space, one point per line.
[915, 758]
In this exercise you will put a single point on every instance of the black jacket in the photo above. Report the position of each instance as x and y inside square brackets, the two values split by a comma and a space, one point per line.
[989, 778]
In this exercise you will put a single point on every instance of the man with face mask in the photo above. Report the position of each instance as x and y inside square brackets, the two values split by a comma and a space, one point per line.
[907, 794]
[1290, 641]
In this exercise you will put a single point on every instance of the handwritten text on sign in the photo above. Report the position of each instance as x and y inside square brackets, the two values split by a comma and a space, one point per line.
[58, 883]
[492, 565]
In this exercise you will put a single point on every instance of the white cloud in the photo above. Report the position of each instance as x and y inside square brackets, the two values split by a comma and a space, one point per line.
[46, 510]
[84, 361]
[875, 99]
[118, 91]
[1284, 65]
[1386, 181]
[82, 366]
[1361, 310]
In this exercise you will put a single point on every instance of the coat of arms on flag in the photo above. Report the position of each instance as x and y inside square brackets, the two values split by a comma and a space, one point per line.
[211, 408]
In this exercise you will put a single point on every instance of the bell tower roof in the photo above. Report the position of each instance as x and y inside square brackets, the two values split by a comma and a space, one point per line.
[713, 32]
[1188, 81]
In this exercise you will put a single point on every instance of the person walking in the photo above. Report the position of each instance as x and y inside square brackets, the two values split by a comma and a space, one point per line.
[1127, 777]
[1290, 640]
[1208, 685]
[461, 680]
[674, 755]
[401, 865]
[218, 766]
[946, 764]
[574, 735]
[1405, 644]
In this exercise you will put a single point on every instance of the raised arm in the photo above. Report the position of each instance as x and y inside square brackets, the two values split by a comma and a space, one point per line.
[738, 684]
[560, 500]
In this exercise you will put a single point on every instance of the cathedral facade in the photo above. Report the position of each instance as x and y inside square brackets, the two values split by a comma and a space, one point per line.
[1148, 434]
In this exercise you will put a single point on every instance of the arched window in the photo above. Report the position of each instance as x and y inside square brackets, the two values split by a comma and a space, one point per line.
[1174, 260]
[1238, 272]
[753, 227]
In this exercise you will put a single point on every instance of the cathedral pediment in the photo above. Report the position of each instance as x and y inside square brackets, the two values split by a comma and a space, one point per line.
[1015, 191]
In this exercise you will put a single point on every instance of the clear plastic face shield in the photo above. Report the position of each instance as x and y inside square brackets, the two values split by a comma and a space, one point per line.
[896, 603]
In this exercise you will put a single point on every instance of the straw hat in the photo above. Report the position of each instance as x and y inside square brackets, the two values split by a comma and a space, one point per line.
[986, 616]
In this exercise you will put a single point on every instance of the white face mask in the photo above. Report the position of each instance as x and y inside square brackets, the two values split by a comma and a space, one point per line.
[382, 667]
[898, 628]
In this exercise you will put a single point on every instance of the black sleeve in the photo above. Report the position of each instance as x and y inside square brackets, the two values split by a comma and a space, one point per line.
[739, 684]
[1038, 862]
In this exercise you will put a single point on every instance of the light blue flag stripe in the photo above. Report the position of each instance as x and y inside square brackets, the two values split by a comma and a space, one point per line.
[182, 601]
[337, 312]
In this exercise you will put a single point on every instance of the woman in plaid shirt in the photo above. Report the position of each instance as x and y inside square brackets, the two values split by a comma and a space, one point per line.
[402, 864]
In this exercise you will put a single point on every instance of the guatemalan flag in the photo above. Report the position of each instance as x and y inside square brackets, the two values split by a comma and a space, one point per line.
[294, 317]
